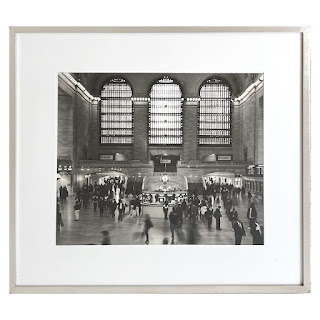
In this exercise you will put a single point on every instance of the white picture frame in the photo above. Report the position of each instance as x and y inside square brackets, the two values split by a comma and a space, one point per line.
[15, 210]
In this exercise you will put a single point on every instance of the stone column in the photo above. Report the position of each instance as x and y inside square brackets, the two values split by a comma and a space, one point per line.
[190, 129]
[140, 139]
[94, 138]
[74, 151]
[259, 129]
[235, 130]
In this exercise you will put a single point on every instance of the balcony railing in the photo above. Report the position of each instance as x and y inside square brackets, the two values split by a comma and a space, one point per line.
[195, 163]
[132, 163]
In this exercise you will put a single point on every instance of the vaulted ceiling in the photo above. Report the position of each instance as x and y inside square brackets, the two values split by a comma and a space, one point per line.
[190, 82]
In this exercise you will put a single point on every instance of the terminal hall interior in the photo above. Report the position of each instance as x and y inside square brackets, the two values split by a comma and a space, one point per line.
[160, 159]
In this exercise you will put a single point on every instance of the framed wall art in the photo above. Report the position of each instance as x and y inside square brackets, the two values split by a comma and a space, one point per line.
[159, 160]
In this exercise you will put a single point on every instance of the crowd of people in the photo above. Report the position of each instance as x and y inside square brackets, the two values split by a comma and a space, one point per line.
[108, 200]
[107, 197]
[102, 196]
[214, 188]
[195, 210]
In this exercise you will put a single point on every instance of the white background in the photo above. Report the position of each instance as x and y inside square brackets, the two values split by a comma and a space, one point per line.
[169, 13]
[42, 56]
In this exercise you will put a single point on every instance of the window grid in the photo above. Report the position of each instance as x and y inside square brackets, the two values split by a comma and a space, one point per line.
[116, 113]
[214, 122]
[165, 113]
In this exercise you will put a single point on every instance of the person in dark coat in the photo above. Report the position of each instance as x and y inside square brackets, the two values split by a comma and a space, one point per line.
[249, 198]
[113, 207]
[64, 194]
[147, 226]
[105, 238]
[101, 205]
[239, 231]
[193, 235]
[193, 212]
[138, 204]
[174, 220]
[95, 200]
[86, 197]
[121, 208]
[79, 195]
[252, 215]
[184, 208]
[196, 201]
[214, 194]
[59, 220]
[180, 215]
[217, 214]
[256, 234]
[165, 209]
[228, 205]
[60, 192]
[165, 240]
[233, 216]
[209, 215]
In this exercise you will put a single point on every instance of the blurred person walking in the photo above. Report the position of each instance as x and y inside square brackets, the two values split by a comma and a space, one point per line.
[76, 208]
[239, 231]
[209, 215]
[174, 220]
[121, 209]
[165, 209]
[217, 214]
[147, 226]
[256, 234]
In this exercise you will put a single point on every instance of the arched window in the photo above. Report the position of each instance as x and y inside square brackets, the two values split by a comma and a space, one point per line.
[116, 113]
[215, 113]
[165, 113]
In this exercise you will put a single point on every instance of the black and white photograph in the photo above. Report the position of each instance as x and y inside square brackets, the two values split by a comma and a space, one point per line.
[160, 159]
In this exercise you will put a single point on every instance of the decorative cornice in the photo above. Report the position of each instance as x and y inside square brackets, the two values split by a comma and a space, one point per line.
[77, 86]
[254, 87]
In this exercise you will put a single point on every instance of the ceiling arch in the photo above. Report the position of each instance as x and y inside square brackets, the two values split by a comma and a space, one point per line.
[190, 82]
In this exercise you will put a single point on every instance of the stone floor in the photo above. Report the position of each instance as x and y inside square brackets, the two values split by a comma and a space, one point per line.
[88, 229]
